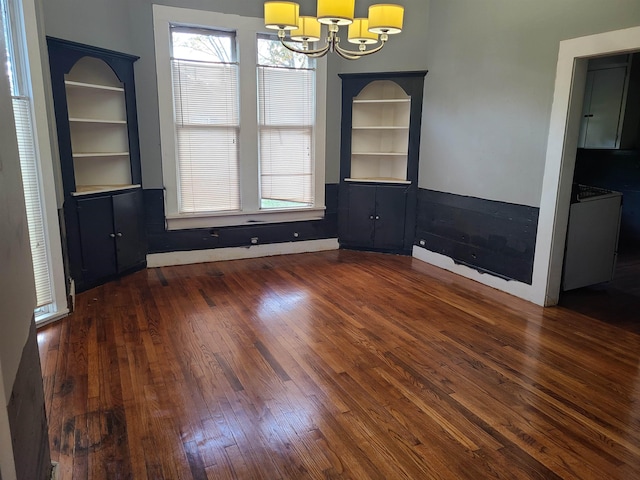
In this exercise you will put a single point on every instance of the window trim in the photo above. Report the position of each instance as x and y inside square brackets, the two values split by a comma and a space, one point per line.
[247, 30]
[47, 164]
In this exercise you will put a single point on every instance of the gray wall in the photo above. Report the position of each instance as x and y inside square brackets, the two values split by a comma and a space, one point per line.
[490, 86]
[127, 25]
[487, 95]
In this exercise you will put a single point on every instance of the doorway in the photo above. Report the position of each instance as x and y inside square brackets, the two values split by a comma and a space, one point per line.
[608, 157]
[566, 116]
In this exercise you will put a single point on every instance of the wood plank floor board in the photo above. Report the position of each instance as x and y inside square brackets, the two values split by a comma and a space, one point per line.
[335, 365]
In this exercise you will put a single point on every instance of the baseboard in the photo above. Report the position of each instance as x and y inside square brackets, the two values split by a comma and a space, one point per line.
[512, 287]
[237, 253]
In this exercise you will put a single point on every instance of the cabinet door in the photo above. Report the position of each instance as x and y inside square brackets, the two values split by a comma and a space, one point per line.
[358, 228]
[95, 220]
[128, 228]
[603, 106]
[390, 205]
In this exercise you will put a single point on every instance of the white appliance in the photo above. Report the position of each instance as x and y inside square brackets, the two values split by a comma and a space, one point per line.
[592, 236]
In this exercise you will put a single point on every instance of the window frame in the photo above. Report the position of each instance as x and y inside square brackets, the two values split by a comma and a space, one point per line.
[247, 30]
[27, 48]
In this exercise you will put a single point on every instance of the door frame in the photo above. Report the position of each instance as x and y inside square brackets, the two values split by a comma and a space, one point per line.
[562, 144]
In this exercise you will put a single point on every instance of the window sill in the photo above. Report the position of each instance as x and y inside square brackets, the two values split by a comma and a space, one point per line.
[226, 219]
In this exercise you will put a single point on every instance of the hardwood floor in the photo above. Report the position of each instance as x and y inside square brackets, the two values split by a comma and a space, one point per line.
[335, 365]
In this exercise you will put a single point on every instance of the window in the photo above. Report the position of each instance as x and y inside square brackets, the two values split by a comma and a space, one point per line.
[286, 117]
[205, 95]
[239, 145]
[27, 93]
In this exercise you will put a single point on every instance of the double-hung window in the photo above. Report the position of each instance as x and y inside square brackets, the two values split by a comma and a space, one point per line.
[286, 118]
[242, 122]
[207, 123]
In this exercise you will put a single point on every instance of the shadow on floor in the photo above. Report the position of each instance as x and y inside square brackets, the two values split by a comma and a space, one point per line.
[617, 302]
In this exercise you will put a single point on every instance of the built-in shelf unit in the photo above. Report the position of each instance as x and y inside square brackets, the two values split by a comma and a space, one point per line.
[98, 126]
[380, 133]
[380, 143]
[96, 120]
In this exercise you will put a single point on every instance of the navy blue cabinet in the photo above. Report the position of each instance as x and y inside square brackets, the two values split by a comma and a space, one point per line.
[111, 235]
[374, 216]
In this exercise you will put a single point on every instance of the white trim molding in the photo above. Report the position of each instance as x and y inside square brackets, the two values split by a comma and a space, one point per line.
[562, 144]
[237, 253]
[38, 75]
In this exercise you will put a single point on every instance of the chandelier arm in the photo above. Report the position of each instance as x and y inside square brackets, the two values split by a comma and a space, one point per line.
[347, 55]
[316, 53]
[355, 55]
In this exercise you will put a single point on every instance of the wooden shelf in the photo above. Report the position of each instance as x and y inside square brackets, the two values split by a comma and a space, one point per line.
[100, 154]
[90, 189]
[383, 100]
[98, 121]
[93, 86]
[379, 180]
[381, 154]
[381, 127]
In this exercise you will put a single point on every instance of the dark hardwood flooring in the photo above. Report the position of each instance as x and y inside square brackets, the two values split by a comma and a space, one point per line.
[335, 365]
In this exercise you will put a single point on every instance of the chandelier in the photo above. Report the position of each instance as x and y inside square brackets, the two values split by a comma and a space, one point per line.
[383, 20]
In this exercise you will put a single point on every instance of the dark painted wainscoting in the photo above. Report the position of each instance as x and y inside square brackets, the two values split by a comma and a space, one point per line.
[27, 417]
[617, 170]
[492, 237]
[161, 240]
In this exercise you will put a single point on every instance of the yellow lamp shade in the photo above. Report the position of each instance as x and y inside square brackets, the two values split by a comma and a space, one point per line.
[281, 15]
[338, 12]
[385, 18]
[359, 32]
[308, 30]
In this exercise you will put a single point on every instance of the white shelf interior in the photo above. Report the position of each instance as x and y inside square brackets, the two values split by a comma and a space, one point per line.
[91, 137]
[96, 104]
[380, 133]
[98, 170]
[98, 124]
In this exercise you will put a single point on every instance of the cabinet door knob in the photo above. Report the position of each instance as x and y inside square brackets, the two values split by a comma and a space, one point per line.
[377, 217]
[118, 234]
[370, 217]
[112, 235]
[590, 115]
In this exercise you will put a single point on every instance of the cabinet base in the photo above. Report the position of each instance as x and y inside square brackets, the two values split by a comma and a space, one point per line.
[88, 285]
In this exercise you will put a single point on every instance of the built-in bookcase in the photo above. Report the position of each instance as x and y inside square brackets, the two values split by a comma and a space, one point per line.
[379, 150]
[96, 120]
[380, 133]
[98, 126]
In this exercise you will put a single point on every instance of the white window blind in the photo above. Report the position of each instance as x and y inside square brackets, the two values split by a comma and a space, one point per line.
[30, 183]
[22, 106]
[286, 117]
[207, 120]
